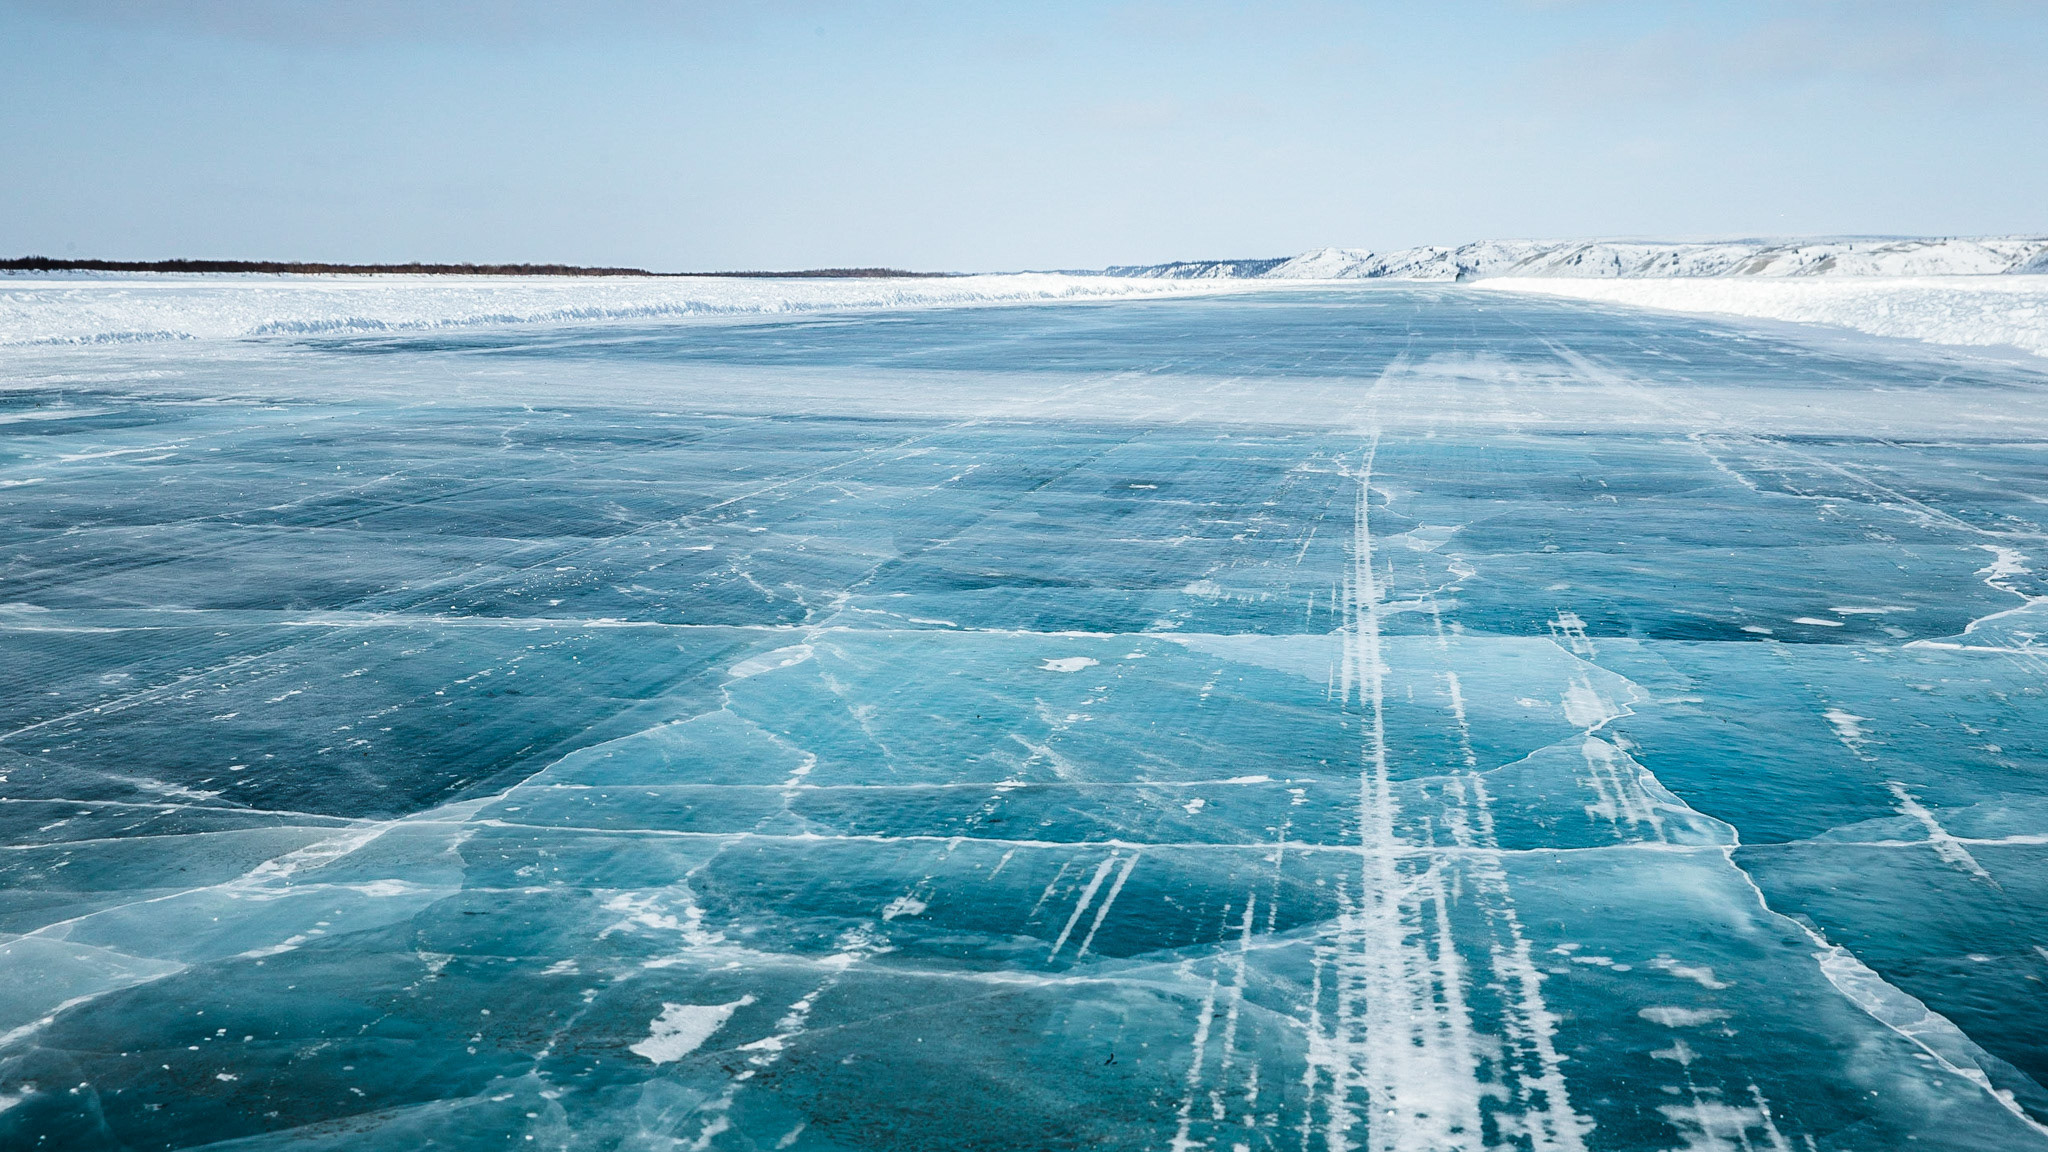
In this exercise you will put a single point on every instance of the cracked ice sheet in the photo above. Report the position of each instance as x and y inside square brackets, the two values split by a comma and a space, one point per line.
[740, 711]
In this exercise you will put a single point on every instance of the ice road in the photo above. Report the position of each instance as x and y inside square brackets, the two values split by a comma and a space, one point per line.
[1384, 718]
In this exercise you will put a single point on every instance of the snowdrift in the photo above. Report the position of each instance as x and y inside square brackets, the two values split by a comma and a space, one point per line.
[1981, 311]
[93, 309]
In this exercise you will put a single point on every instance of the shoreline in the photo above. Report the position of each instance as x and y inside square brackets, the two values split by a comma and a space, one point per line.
[314, 268]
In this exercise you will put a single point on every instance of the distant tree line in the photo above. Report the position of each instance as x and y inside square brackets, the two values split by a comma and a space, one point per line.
[47, 264]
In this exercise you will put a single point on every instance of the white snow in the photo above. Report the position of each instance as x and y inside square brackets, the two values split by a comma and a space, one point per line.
[904, 906]
[1943, 291]
[71, 309]
[1981, 311]
[771, 661]
[1068, 664]
[1682, 1017]
[1848, 727]
[2007, 562]
[1942, 256]
[1700, 974]
[682, 1028]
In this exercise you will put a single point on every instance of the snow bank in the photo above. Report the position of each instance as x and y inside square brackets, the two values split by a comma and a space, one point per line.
[58, 309]
[108, 309]
[1967, 310]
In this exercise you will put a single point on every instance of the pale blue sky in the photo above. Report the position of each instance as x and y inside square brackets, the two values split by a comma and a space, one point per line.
[988, 136]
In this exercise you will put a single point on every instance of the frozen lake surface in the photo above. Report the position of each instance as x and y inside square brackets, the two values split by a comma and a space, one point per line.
[1392, 718]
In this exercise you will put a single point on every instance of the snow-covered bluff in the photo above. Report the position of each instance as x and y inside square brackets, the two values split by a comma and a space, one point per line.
[1628, 259]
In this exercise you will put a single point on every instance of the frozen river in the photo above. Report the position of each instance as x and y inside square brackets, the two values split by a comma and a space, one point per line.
[1384, 718]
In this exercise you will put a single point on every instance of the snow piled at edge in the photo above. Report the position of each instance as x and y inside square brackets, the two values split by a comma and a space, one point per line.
[38, 310]
[1978, 311]
[1982, 311]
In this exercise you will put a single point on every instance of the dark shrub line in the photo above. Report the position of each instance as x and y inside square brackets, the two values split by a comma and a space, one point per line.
[46, 264]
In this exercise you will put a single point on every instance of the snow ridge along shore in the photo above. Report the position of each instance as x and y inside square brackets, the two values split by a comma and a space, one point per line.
[1968, 292]
[1978, 311]
[105, 309]
[1981, 310]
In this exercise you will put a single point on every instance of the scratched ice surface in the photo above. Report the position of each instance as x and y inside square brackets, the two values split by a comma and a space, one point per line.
[1393, 719]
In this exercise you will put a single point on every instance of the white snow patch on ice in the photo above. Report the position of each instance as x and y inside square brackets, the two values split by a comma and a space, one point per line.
[903, 906]
[1682, 1017]
[1848, 726]
[1068, 664]
[2005, 562]
[682, 1028]
[770, 661]
[1700, 974]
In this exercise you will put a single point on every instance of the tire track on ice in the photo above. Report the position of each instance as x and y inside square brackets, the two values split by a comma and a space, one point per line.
[1400, 1057]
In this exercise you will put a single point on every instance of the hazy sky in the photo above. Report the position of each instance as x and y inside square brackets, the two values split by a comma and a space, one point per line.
[990, 135]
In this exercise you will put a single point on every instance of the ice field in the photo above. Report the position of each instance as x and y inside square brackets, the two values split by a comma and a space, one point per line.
[1392, 718]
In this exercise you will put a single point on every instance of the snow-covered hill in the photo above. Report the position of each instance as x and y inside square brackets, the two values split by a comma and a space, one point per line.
[1617, 259]
[1201, 269]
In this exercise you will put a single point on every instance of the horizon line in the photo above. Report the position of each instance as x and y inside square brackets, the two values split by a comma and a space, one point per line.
[419, 268]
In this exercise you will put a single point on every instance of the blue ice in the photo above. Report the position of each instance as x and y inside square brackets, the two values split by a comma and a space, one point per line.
[1386, 718]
